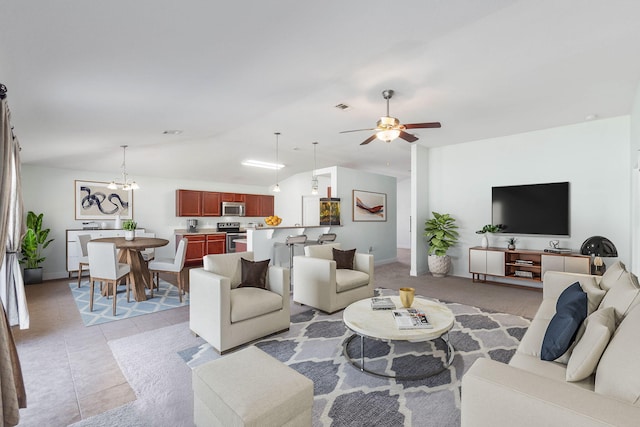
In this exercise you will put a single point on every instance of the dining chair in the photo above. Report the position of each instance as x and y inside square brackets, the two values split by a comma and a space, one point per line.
[83, 260]
[149, 253]
[169, 265]
[104, 267]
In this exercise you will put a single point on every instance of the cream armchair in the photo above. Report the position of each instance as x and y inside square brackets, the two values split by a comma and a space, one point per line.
[319, 284]
[226, 315]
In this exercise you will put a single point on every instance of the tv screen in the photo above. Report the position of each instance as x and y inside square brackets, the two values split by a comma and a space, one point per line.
[532, 209]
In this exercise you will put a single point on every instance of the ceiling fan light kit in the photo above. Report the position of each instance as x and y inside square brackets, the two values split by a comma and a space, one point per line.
[389, 128]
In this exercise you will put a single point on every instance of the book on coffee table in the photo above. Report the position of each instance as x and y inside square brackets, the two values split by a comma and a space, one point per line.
[382, 303]
[411, 318]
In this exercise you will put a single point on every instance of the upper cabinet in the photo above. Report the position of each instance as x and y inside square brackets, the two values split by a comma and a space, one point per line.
[208, 203]
[211, 203]
[188, 203]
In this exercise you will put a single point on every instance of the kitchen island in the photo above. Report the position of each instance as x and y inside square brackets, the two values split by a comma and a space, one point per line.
[268, 242]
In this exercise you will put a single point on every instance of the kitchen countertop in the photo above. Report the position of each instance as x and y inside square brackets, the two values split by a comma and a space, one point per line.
[278, 227]
[184, 232]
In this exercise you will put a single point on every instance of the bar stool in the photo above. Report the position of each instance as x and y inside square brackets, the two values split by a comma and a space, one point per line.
[291, 242]
[326, 237]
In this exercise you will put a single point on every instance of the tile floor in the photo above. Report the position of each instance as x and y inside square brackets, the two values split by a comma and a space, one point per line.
[69, 371]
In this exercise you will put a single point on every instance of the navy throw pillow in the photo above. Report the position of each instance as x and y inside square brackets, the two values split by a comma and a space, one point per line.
[571, 310]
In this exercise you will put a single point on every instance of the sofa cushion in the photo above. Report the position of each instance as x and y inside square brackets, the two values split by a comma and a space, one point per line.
[571, 310]
[590, 286]
[350, 279]
[599, 327]
[321, 251]
[344, 259]
[553, 370]
[227, 265]
[612, 274]
[254, 273]
[250, 302]
[531, 342]
[618, 375]
[623, 295]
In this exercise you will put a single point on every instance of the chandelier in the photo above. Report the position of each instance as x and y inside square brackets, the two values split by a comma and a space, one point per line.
[125, 184]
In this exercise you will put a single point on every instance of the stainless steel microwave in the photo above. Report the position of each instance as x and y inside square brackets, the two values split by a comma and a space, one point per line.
[233, 209]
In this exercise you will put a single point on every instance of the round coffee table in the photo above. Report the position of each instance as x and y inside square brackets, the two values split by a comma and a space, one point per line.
[365, 322]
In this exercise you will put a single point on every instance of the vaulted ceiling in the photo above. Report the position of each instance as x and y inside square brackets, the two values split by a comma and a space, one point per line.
[85, 77]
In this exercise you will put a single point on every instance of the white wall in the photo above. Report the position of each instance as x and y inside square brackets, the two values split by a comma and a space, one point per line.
[360, 235]
[51, 191]
[403, 227]
[592, 156]
[634, 156]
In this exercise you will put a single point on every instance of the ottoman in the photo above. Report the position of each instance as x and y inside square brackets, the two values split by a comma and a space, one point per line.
[251, 388]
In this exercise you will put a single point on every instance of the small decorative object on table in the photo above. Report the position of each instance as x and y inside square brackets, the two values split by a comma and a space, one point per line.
[406, 296]
[129, 228]
[488, 229]
[511, 243]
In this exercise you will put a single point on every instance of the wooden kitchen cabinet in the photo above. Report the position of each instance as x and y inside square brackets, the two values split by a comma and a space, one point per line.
[211, 203]
[216, 243]
[258, 205]
[195, 248]
[233, 197]
[266, 205]
[200, 245]
[188, 203]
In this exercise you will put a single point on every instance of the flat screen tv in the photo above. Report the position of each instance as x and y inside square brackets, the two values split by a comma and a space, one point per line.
[532, 209]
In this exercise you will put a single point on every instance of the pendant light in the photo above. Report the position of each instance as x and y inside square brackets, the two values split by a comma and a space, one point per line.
[276, 188]
[125, 185]
[314, 178]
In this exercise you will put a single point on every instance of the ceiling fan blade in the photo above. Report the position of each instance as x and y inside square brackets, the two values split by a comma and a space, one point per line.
[368, 140]
[407, 136]
[423, 125]
[357, 130]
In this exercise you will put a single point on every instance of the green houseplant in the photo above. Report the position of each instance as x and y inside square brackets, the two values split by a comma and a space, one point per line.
[488, 229]
[33, 242]
[129, 226]
[441, 233]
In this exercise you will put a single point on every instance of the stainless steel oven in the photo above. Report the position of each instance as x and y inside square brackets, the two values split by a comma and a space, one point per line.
[232, 230]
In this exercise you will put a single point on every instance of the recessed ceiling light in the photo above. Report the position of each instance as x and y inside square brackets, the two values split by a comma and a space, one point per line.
[591, 117]
[172, 132]
[260, 164]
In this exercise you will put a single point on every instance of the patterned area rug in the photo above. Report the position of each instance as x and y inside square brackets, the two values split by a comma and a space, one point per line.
[344, 396]
[164, 298]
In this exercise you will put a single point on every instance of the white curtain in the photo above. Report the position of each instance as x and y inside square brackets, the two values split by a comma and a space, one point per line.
[12, 225]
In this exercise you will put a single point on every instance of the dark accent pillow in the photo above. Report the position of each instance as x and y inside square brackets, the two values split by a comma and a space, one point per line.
[344, 259]
[254, 274]
[571, 310]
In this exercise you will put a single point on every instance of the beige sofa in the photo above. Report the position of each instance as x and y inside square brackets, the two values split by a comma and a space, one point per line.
[532, 392]
[227, 316]
[319, 284]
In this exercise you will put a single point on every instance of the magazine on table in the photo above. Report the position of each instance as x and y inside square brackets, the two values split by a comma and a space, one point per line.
[411, 318]
[382, 303]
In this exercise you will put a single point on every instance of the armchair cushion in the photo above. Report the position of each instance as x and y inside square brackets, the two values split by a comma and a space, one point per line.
[344, 259]
[254, 273]
[350, 279]
[321, 251]
[250, 302]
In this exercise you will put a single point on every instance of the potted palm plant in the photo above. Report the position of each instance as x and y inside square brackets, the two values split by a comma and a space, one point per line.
[33, 242]
[441, 233]
[129, 227]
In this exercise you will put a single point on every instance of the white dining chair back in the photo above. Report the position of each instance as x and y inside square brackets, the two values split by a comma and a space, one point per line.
[173, 265]
[83, 258]
[104, 267]
[149, 253]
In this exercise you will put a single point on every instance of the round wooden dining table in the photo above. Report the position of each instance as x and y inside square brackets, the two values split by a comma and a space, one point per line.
[129, 252]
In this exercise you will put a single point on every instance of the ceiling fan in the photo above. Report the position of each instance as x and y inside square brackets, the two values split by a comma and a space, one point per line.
[389, 128]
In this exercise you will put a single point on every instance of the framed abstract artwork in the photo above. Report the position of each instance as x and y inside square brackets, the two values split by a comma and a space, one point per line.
[369, 206]
[94, 200]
